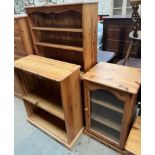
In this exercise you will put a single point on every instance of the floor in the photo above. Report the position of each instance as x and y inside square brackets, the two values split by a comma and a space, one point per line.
[31, 141]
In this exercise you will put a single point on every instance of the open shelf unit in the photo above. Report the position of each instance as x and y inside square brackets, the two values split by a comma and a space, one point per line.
[110, 106]
[47, 122]
[64, 32]
[50, 88]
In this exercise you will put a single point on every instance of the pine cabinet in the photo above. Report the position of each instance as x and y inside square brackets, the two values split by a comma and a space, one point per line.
[110, 94]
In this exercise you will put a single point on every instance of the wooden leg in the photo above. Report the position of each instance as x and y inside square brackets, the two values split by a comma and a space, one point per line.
[128, 52]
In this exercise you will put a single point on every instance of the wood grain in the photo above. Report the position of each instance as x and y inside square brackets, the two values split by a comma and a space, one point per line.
[64, 32]
[48, 68]
[123, 78]
[133, 144]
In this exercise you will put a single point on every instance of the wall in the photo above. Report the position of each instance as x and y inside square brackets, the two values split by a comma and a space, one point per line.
[103, 6]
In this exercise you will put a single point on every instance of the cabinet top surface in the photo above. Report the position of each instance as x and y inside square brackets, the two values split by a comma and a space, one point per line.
[45, 67]
[134, 140]
[123, 78]
[64, 4]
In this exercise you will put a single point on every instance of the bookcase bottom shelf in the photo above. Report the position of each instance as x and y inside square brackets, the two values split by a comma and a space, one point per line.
[44, 124]
[53, 131]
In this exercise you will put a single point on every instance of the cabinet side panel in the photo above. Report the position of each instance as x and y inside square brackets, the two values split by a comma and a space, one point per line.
[94, 30]
[128, 115]
[89, 23]
[71, 97]
[26, 35]
[17, 85]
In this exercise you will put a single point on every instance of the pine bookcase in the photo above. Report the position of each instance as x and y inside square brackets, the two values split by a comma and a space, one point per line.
[52, 96]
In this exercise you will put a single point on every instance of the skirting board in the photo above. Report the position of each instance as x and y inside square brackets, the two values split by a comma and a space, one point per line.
[68, 146]
[122, 152]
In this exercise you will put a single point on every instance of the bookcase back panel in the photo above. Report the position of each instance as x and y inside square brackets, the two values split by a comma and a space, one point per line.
[65, 19]
[67, 55]
[42, 87]
[62, 38]
[49, 117]
[46, 121]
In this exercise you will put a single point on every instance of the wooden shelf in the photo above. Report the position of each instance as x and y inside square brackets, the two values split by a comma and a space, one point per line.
[100, 132]
[107, 105]
[79, 49]
[106, 122]
[46, 105]
[43, 124]
[57, 29]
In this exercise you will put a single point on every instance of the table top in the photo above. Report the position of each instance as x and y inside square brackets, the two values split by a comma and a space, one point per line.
[45, 67]
[127, 79]
[133, 144]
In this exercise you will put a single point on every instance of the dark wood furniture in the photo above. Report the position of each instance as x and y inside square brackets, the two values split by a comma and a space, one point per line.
[110, 92]
[116, 35]
[52, 96]
[66, 32]
[134, 35]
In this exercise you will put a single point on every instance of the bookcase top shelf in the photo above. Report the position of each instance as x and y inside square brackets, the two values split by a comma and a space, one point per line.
[123, 78]
[51, 69]
[63, 4]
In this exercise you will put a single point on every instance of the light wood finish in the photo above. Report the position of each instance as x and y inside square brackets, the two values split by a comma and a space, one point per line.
[70, 37]
[119, 77]
[52, 96]
[56, 29]
[133, 144]
[121, 82]
[72, 104]
[60, 46]
[22, 36]
[23, 45]
[90, 34]
[44, 104]
[48, 68]
[42, 123]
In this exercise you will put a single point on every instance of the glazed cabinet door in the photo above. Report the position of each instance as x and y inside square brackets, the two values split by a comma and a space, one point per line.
[104, 111]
